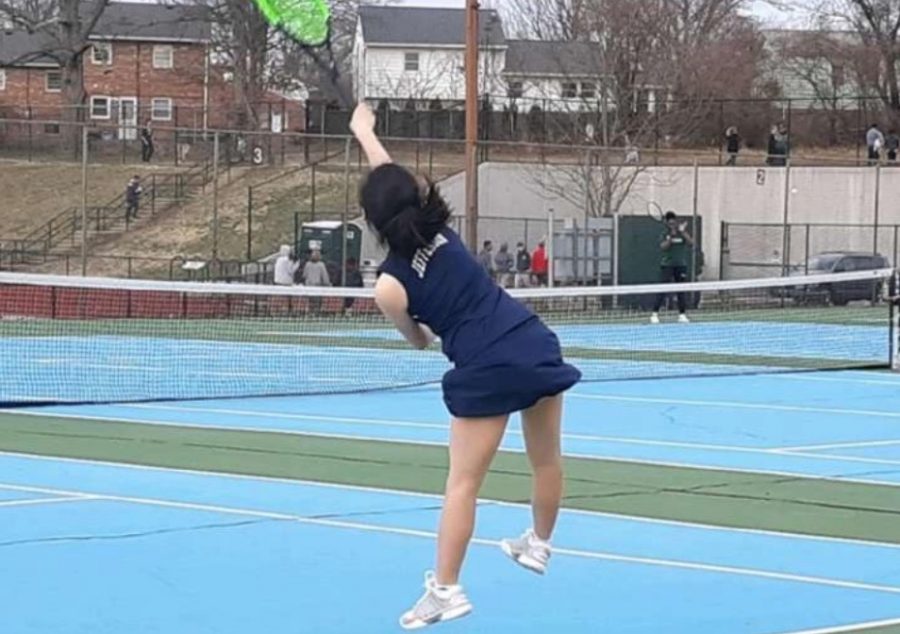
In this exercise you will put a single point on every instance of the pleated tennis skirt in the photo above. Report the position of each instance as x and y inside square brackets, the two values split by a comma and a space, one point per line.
[510, 375]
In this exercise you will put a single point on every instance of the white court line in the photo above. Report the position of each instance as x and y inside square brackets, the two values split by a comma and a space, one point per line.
[360, 526]
[443, 444]
[739, 405]
[35, 502]
[839, 457]
[838, 445]
[835, 379]
[853, 627]
[434, 496]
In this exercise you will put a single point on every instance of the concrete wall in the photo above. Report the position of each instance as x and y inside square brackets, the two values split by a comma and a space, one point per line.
[843, 195]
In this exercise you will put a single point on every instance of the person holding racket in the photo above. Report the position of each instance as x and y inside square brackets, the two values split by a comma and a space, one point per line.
[675, 246]
[505, 360]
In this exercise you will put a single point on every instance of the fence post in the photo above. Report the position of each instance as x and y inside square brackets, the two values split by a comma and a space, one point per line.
[215, 197]
[877, 208]
[896, 245]
[551, 228]
[313, 193]
[346, 212]
[723, 247]
[806, 243]
[250, 223]
[786, 203]
[84, 187]
[694, 205]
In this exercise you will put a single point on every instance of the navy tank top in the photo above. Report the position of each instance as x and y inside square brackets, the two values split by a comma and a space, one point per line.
[452, 294]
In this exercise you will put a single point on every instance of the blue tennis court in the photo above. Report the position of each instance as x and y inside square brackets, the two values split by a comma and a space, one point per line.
[153, 549]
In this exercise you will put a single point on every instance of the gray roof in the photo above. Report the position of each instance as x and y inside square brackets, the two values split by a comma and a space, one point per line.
[120, 20]
[539, 57]
[427, 26]
[151, 21]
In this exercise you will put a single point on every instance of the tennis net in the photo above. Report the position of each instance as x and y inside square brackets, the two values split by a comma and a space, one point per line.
[94, 340]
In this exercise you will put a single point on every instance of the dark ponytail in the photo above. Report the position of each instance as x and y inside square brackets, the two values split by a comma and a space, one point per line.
[405, 218]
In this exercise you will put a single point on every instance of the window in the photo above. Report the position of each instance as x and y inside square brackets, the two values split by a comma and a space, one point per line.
[51, 128]
[163, 57]
[101, 53]
[2, 79]
[53, 81]
[569, 90]
[515, 90]
[100, 108]
[161, 109]
[411, 62]
[588, 90]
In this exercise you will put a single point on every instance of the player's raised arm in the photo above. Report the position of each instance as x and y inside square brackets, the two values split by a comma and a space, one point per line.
[363, 127]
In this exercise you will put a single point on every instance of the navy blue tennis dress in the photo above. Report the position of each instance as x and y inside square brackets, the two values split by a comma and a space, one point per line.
[505, 359]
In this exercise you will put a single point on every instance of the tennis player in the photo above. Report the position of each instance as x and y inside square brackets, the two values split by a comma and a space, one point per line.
[505, 360]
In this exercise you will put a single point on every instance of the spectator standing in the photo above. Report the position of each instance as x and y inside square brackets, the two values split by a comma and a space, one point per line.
[315, 274]
[732, 145]
[892, 145]
[523, 266]
[874, 143]
[503, 262]
[285, 267]
[778, 146]
[147, 141]
[486, 257]
[133, 198]
[539, 264]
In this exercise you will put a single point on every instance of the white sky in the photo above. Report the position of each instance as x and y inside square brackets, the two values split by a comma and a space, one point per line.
[767, 14]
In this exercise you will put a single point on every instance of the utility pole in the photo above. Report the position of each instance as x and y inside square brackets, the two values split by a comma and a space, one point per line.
[471, 150]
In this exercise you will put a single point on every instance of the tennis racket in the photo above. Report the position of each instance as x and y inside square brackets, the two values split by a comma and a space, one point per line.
[656, 212]
[307, 23]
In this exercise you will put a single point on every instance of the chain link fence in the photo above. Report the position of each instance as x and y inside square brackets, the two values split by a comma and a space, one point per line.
[770, 250]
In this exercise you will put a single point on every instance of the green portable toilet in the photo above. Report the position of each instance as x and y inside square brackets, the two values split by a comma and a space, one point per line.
[328, 237]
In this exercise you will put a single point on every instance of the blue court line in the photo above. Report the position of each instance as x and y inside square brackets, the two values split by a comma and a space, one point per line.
[163, 567]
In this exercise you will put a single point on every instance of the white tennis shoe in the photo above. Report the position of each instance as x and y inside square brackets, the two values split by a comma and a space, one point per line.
[683, 319]
[439, 603]
[654, 318]
[529, 551]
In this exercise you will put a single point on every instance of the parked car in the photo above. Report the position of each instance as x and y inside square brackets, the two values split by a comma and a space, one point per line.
[839, 293]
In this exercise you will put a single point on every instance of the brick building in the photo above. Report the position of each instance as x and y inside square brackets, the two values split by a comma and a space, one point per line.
[147, 62]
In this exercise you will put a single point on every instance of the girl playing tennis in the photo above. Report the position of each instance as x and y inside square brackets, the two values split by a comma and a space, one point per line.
[505, 360]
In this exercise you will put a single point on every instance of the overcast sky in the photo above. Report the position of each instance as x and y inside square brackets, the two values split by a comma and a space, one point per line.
[770, 16]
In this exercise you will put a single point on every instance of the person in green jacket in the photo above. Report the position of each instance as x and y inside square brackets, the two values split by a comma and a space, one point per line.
[675, 247]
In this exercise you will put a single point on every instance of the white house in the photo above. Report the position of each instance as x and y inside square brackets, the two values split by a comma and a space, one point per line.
[403, 53]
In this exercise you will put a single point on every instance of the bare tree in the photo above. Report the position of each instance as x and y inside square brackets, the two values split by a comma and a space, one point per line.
[824, 66]
[658, 66]
[241, 41]
[876, 23]
[63, 29]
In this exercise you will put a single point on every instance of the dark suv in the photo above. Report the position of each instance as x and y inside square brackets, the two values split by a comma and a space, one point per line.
[839, 293]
